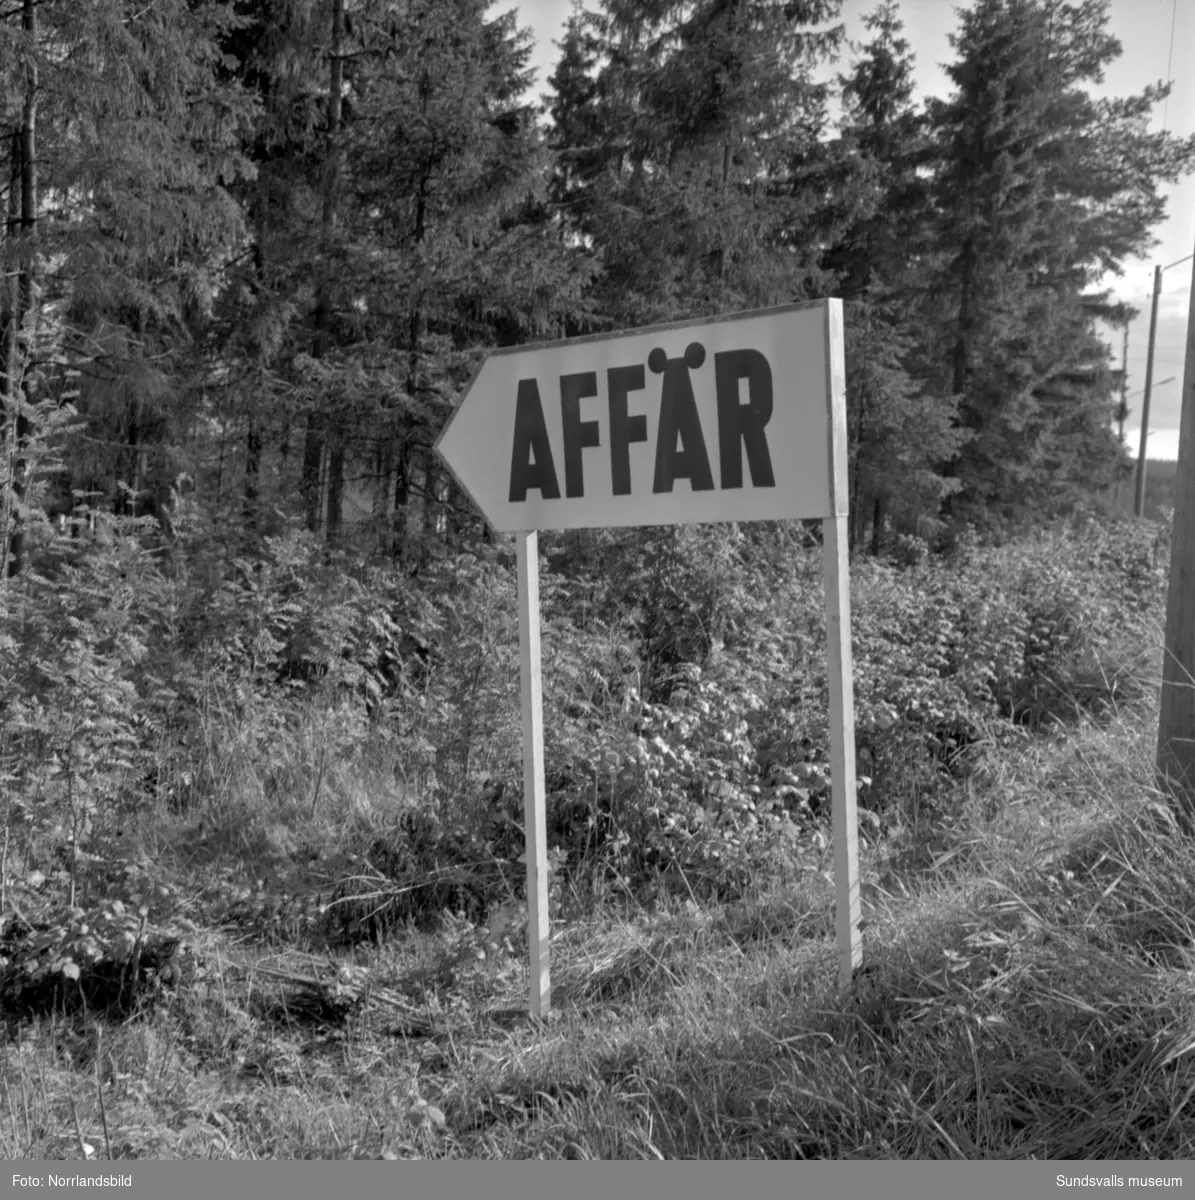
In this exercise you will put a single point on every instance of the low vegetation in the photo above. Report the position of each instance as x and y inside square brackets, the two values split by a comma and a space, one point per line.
[263, 855]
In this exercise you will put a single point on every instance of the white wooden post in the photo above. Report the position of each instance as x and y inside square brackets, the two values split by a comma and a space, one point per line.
[842, 750]
[835, 559]
[534, 821]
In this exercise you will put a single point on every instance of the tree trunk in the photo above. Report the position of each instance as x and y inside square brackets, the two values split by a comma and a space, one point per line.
[431, 498]
[962, 343]
[960, 362]
[454, 501]
[9, 406]
[22, 298]
[402, 495]
[313, 446]
[335, 488]
[254, 441]
[415, 319]
[383, 496]
[124, 502]
[253, 444]
[877, 527]
[309, 474]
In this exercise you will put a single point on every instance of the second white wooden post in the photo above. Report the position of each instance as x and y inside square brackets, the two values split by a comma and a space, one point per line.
[849, 940]
[836, 563]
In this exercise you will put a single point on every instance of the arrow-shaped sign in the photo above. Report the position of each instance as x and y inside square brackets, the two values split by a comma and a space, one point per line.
[714, 420]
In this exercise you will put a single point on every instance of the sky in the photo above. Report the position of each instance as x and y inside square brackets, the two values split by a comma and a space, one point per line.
[1144, 28]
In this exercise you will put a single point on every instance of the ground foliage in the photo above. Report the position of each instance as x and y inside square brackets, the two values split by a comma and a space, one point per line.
[242, 804]
[685, 695]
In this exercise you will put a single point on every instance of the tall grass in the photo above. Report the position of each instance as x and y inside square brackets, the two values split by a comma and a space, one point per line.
[1026, 988]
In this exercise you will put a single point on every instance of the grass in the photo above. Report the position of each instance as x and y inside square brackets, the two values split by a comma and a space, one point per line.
[1027, 994]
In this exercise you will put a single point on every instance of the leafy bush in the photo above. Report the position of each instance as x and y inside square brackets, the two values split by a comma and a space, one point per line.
[79, 698]
[685, 693]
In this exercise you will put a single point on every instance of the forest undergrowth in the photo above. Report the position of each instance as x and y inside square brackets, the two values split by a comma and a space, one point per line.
[263, 855]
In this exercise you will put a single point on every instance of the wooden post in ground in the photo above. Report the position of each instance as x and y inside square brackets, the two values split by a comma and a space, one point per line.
[1176, 721]
[844, 818]
[835, 557]
[535, 835]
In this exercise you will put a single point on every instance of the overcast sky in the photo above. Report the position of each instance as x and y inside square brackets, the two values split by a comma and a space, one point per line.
[1144, 29]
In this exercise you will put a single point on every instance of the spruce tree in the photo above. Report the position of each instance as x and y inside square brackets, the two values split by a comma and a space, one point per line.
[690, 143]
[449, 174]
[123, 221]
[899, 425]
[885, 146]
[368, 302]
[272, 398]
[1043, 189]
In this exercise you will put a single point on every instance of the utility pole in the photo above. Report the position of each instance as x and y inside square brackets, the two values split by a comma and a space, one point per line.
[1139, 501]
[1176, 719]
[1139, 497]
[1123, 412]
[1124, 382]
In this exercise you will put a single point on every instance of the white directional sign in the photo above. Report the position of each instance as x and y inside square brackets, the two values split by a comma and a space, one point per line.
[725, 419]
[738, 418]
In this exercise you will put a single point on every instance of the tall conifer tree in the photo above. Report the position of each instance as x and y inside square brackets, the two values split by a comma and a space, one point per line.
[124, 216]
[441, 240]
[1043, 189]
[900, 426]
[691, 154]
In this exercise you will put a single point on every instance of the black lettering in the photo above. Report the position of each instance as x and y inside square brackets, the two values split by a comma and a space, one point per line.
[744, 422]
[578, 434]
[624, 429]
[531, 437]
[679, 419]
